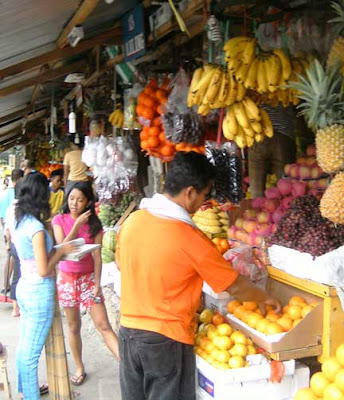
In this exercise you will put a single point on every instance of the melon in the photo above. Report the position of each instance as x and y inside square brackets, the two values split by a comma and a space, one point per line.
[109, 240]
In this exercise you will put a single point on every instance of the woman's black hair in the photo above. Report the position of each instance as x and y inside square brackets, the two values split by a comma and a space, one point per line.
[86, 189]
[33, 198]
[188, 169]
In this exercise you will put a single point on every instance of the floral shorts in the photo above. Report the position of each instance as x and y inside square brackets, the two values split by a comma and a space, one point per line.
[76, 289]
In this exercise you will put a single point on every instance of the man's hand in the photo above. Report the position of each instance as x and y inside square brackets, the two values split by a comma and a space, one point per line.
[270, 302]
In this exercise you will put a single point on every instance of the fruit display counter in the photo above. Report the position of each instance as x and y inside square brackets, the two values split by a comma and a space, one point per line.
[331, 335]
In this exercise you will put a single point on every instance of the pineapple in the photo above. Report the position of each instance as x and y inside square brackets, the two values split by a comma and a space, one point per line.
[323, 109]
[336, 53]
[332, 202]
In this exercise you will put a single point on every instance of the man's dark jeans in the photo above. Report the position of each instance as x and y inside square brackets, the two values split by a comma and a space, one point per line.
[154, 367]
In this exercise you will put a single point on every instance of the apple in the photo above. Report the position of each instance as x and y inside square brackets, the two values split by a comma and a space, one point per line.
[294, 171]
[271, 205]
[250, 226]
[250, 214]
[263, 217]
[304, 172]
[239, 222]
[231, 232]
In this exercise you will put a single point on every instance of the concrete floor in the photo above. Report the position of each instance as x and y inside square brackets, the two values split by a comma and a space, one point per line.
[102, 382]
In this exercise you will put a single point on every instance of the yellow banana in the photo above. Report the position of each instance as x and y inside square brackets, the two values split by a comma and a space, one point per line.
[240, 138]
[232, 90]
[240, 115]
[223, 89]
[273, 70]
[234, 64]
[233, 42]
[203, 83]
[213, 86]
[249, 132]
[285, 62]
[194, 81]
[234, 46]
[249, 141]
[203, 109]
[241, 92]
[262, 84]
[257, 127]
[241, 72]
[266, 124]
[259, 137]
[249, 52]
[252, 110]
[230, 124]
[251, 77]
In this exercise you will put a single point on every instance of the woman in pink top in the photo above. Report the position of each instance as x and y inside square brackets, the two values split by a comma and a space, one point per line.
[78, 282]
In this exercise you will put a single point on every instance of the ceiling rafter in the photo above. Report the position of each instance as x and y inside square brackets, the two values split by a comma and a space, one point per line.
[81, 14]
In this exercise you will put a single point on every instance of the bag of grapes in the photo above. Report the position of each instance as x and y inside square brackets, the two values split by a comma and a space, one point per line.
[181, 124]
[228, 181]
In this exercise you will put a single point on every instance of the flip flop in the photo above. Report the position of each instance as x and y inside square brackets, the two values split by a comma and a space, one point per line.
[78, 380]
[43, 389]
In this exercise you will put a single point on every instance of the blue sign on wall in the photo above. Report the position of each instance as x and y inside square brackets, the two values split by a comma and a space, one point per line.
[133, 33]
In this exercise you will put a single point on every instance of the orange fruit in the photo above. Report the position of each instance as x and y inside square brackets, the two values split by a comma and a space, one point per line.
[339, 380]
[167, 150]
[262, 325]
[153, 142]
[218, 319]
[232, 305]
[224, 329]
[224, 244]
[154, 131]
[305, 394]
[251, 349]
[258, 311]
[245, 315]
[239, 350]
[216, 240]
[206, 315]
[250, 305]
[340, 354]
[209, 327]
[224, 343]
[286, 323]
[330, 367]
[236, 362]
[269, 308]
[209, 347]
[253, 319]
[285, 309]
[198, 338]
[296, 300]
[139, 109]
[297, 321]
[273, 328]
[272, 317]
[306, 310]
[203, 343]
[238, 312]
[144, 144]
[223, 356]
[144, 135]
[214, 353]
[148, 113]
[211, 334]
[331, 392]
[239, 338]
[294, 312]
[318, 383]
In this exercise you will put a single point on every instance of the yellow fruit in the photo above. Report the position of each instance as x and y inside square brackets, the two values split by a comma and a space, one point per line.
[239, 311]
[340, 354]
[206, 315]
[297, 321]
[331, 204]
[204, 342]
[232, 305]
[305, 394]
[339, 380]
[296, 300]
[224, 343]
[273, 328]
[249, 341]
[212, 333]
[209, 327]
[214, 353]
[223, 356]
[198, 338]
[306, 310]
[224, 329]
[223, 366]
[253, 320]
[318, 383]
[239, 350]
[209, 347]
[286, 323]
[202, 327]
[245, 315]
[236, 362]
[251, 349]
[330, 367]
[294, 312]
[262, 325]
[331, 392]
[250, 305]
[209, 359]
[239, 338]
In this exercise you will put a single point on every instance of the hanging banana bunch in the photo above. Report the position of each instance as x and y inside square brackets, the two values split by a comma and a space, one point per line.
[116, 118]
[246, 123]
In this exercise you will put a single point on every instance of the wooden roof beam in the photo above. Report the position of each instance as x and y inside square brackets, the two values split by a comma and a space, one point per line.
[46, 76]
[81, 14]
[113, 36]
[23, 112]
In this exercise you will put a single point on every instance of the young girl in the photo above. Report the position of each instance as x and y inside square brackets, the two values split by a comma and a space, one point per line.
[78, 282]
[36, 286]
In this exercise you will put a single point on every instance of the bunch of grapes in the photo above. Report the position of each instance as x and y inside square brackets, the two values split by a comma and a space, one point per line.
[228, 181]
[303, 228]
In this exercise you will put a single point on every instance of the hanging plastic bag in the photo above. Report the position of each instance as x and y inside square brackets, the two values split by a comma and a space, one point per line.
[228, 182]
[182, 124]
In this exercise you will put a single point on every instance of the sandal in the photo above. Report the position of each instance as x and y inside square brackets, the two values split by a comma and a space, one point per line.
[43, 389]
[78, 380]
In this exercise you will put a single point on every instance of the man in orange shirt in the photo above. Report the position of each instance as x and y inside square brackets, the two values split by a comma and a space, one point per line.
[164, 260]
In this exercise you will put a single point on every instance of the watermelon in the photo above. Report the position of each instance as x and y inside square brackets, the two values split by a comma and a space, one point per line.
[109, 240]
[108, 256]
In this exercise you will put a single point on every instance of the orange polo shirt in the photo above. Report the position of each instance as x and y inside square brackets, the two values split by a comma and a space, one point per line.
[163, 264]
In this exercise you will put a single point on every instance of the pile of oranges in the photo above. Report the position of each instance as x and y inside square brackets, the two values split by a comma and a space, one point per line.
[219, 344]
[221, 244]
[189, 147]
[329, 383]
[272, 323]
[149, 110]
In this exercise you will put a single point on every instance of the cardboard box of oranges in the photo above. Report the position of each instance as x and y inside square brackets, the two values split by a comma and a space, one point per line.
[299, 325]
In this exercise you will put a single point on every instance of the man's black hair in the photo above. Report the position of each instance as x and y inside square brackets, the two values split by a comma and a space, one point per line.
[188, 169]
[16, 174]
[56, 172]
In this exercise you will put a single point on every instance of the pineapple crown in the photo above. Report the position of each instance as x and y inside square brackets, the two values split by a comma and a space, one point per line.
[321, 94]
[338, 21]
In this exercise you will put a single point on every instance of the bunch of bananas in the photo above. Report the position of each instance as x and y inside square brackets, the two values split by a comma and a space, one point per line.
[246, 124]
[213, 87]
[286, 95]
[212, 221]
[116, 118]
